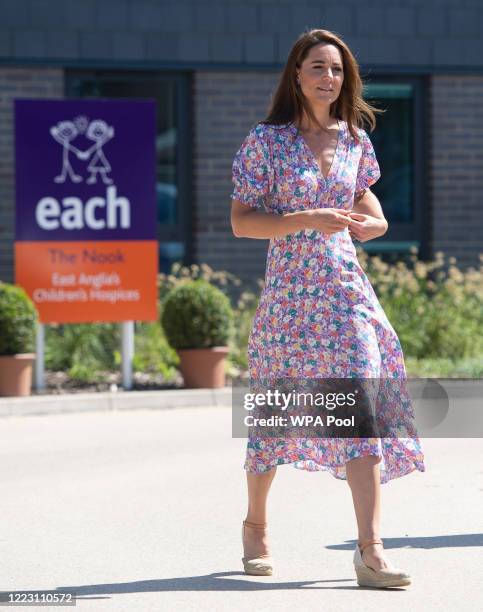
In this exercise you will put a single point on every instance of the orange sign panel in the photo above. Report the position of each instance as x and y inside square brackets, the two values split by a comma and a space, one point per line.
[81, 282]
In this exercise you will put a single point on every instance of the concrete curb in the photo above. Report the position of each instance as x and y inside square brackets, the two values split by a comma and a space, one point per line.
[131, 400]
[469, 389]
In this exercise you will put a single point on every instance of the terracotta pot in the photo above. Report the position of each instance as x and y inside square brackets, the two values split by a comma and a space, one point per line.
[16, 374]
[203, 367]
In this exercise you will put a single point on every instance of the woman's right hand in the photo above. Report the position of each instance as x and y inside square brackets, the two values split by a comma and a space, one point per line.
[328, 220]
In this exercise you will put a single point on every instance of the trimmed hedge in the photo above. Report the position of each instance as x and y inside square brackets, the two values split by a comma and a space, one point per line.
[196, 314]
[18, 317]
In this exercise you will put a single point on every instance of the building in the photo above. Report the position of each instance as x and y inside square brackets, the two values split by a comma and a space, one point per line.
[211, 66]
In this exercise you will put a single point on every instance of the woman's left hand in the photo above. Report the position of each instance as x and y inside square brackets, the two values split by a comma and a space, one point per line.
[364, 227]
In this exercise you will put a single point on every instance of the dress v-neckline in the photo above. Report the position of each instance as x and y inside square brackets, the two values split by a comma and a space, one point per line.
[313, 158]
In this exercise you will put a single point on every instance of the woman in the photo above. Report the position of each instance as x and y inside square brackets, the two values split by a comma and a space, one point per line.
[310, 164]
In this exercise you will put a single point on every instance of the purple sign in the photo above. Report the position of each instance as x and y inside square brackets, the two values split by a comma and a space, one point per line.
[85, 170]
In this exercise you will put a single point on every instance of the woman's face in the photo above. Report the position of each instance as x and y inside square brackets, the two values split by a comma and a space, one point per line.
[321, 75]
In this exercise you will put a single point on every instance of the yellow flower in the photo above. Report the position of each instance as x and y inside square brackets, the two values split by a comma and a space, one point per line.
[420, 270]
[454, 273]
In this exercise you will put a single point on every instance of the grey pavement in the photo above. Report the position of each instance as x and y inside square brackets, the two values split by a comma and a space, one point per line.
[141, 510]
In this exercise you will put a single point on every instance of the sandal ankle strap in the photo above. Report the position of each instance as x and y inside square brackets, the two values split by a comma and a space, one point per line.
[367, 543]
[255, 525]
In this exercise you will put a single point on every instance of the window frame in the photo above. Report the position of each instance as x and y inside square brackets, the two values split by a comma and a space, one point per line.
[182, 230]
[402, 235]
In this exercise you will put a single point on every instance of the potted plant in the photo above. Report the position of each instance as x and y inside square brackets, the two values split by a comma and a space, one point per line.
[18, 317]
[197, 319]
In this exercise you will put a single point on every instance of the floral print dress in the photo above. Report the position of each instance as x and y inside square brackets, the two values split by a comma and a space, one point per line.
[318, 315]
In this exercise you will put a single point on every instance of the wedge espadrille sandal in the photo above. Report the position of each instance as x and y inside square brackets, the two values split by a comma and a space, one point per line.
[369, 577]
[262, 565]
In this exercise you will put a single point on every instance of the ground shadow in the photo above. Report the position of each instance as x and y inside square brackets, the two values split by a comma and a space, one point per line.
[217, 581]
[447, 541]
[227, 581]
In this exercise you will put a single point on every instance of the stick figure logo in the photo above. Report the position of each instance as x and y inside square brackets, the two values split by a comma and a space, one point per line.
[98, 131]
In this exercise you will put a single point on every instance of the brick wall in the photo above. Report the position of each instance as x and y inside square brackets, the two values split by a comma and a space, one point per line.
[226, 105]
[456, 167]
[17, 83]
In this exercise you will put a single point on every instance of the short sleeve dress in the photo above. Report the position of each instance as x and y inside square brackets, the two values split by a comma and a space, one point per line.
[318, 315]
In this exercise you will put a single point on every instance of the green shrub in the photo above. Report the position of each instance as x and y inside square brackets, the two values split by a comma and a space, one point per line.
[469, 367]
[82, 349]
[196, 314]
[18, 317]
[87, 351]
[223, 280]
[436, 309]
[244, 313]
[152, 352]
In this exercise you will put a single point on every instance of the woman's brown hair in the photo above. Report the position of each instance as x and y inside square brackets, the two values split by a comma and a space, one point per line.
[289, 103]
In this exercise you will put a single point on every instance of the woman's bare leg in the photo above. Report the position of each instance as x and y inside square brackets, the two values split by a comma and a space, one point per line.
[255, 540]
[363, 476]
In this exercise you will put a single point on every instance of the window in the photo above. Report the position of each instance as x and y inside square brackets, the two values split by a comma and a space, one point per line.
[399, 145]
[172, 145]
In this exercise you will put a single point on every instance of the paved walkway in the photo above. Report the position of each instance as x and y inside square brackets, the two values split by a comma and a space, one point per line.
[141, 510]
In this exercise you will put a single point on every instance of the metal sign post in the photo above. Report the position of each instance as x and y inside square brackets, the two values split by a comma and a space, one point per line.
[127, 353]
[40, 357]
